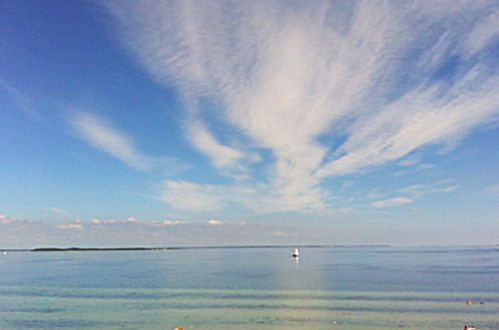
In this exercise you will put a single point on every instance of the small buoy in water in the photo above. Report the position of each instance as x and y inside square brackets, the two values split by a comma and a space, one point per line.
[235, 308]
[469, 327]
[469, 302]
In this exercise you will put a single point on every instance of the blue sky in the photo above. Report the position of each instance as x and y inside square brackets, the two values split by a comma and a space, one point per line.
[255, 122]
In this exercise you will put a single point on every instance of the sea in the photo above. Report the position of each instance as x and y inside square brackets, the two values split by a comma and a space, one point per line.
[252, 288]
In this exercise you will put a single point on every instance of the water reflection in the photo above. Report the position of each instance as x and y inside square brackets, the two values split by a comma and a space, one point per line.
[297, 262]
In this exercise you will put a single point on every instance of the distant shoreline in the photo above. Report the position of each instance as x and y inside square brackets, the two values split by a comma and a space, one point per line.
[117, 249]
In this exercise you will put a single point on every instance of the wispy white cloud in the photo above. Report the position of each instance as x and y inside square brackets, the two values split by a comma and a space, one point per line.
[425, 166]
[374, 194]
[57, 211]
[449, 188]
[298, 78]
[420, 190]
[395, 201]
[102, 135]
[485, 32]
[76, 226]
[215, 222]
[222, 156]
[410, 160]
[11, 220]
[412, 193]
[195, 197]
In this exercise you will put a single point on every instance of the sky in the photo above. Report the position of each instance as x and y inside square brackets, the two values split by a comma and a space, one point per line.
[190, 123]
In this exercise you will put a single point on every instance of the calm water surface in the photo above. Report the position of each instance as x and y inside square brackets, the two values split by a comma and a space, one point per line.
[252, 288]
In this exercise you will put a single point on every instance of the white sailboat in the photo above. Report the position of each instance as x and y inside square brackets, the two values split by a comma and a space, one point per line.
[296, 254]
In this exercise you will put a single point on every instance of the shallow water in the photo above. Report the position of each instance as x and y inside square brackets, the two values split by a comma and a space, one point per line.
[258, 288]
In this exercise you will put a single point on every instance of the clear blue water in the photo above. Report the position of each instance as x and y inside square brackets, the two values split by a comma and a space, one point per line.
[353, 287]
[373, 269]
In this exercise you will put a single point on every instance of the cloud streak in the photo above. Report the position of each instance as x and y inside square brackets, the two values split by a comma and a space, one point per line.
[395, 201]
[324, 88]
[222, 156]
[74, 226]
[58, 211]
[100, 134]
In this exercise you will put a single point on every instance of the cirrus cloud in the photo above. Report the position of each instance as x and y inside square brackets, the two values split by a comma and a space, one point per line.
[316, 90]
[391, 202]
[102, 135]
